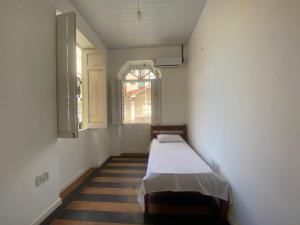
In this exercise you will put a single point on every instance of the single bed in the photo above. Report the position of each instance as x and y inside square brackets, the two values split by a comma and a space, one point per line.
[175, 167]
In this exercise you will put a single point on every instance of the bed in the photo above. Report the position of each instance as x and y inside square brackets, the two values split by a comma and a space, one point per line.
[175, 167]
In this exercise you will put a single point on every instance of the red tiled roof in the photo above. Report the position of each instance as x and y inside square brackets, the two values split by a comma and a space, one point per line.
[134, 92]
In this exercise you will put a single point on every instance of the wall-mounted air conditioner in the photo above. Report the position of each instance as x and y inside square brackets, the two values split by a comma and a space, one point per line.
[167, 62]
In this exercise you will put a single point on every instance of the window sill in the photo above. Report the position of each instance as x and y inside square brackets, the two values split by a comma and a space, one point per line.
[136, 124]
[83, 130]
[93, 128]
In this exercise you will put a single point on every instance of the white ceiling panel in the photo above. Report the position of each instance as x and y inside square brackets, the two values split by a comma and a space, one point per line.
[164, 22]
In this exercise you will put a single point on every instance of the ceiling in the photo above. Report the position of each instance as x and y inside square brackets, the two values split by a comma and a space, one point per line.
[163, 23]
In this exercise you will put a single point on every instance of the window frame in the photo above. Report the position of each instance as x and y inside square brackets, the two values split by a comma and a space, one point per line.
[139, 79]
[83, 127]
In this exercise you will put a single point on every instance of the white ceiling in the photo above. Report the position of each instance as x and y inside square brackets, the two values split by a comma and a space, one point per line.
[164, 22]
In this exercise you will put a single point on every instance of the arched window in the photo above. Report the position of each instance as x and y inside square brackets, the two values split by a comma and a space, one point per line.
[140, 74]
[137, 96]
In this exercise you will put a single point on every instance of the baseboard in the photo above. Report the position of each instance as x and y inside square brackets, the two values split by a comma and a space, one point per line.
[75, 182]
[73, 179]
[67, 188]
[135, 151]
[103, 161]
[134, 155]
[47, 212]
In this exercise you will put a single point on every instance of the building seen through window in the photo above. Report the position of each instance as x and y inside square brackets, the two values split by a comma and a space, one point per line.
[136, 93]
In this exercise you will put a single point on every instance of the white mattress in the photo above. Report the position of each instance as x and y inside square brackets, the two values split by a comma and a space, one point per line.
[176, 167]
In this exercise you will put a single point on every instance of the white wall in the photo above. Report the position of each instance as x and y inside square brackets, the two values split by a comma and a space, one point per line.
[99, 146]
[243, 110]
[28, 110]
[28, 143]
[136, 138]
[75, 156]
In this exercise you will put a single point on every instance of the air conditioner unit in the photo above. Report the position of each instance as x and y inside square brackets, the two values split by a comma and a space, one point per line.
[167, 62]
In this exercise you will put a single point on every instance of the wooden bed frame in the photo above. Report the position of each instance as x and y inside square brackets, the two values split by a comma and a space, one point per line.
[182, 131]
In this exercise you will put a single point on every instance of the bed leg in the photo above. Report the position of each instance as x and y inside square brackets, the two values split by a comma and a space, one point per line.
[223, 211]
[146, 202]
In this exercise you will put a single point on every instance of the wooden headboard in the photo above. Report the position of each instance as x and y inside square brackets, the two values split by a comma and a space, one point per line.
[181, 130]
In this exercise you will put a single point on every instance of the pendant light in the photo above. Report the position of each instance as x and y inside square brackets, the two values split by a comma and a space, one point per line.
[139, 14]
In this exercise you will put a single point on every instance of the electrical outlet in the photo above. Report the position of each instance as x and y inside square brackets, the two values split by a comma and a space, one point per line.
[45, 176]
[38, 180]
[41, 179]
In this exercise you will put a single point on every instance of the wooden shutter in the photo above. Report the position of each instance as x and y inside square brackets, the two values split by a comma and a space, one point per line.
[67, 119]
[94, 89]
[156, 101]
[116, 90]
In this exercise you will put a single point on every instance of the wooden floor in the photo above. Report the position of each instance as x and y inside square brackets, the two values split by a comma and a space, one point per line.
[108, 196]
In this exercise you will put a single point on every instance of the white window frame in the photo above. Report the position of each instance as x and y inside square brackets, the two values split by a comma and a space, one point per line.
[117, 95]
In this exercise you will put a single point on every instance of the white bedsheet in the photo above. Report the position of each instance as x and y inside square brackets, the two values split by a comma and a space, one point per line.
[176, 167]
